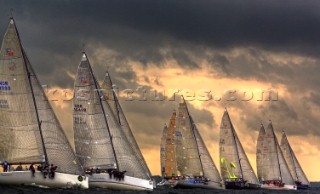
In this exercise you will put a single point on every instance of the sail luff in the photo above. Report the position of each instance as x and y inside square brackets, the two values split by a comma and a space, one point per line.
[32, 92]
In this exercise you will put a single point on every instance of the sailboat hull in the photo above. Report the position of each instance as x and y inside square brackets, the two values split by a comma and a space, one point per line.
[189, 184]
[128, 183]
[238, 185]
[61, 180]
[303, 187]
[277, 187]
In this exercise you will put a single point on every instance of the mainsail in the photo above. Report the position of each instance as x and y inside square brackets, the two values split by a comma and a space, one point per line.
[99, 138]
[188, 162]
[170, 163]
[259, 154]
[274, 165]
[292, 161]
[30, 131]
[163, 150]
[118, 113]
[234, 161]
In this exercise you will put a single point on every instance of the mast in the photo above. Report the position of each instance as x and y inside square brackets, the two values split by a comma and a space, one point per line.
[291, 154]
[31, 87]
[276, 145]
[98, 92]
[234, 138]
[192, 127]
[115, 97]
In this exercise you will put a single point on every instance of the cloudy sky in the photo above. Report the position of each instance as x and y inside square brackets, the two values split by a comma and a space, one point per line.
[202, 45]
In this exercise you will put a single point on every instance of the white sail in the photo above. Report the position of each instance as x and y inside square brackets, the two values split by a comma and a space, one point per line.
[27, 117]
[259, 154]
[188, 162]
[119, 116]
[234, 161]
[274, 166]
[292, 161]
[209, 168]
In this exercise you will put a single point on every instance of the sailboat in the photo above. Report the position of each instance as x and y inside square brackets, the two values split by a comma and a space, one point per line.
[102, 145]
[163, 150]
[296, 171]
[236, 170]
[275, 173]
[187, 162]
[30, 131]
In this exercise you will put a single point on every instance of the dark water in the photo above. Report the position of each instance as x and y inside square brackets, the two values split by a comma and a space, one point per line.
[33, 190]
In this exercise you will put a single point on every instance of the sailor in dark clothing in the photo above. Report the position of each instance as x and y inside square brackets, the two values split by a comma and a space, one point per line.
[19, 168]
[110, 172]
[115, 173]
[45, 170]
[52, 171]
[39, 168]
[121, 175]
[5, 166]
[98, 171]
[32, 169]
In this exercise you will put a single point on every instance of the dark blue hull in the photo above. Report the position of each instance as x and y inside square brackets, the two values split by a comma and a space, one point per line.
[303, 187]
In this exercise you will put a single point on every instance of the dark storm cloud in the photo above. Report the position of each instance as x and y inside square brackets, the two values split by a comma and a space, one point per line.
[139, 28]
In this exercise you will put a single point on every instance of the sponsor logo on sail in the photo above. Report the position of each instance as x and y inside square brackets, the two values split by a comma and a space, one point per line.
[84, 80]
[80, 108]
[9, 52]
[4, 85]
[4, 103]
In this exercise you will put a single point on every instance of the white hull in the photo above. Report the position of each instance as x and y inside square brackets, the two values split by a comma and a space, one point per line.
[129, 183]
[60, 180]
[275, 187]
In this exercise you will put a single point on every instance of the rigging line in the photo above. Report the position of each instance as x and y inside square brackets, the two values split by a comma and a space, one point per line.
[33, 96]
